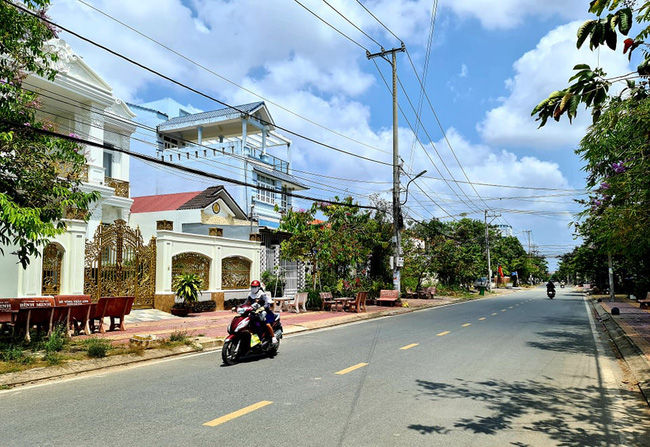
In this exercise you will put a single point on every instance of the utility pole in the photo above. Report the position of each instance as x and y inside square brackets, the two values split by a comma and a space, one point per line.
[528, 232]
[397, 212]
[487, 245]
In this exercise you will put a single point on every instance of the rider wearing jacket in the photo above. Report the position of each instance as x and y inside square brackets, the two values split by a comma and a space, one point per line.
[257, 295]
[550, 286]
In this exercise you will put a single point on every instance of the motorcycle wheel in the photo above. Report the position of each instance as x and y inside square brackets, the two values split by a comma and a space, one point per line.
[230, 352]
[274, 350]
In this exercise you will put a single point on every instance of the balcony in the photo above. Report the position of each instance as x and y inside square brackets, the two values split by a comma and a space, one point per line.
[277, 163]
[121, 186]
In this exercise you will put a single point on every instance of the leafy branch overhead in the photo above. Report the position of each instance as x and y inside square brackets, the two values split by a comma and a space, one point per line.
[590, 87]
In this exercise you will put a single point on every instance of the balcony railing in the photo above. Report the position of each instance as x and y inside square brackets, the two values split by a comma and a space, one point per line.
[121, 186]
[277, 163]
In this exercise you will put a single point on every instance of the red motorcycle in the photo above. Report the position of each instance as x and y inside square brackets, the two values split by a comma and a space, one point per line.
[247, 335]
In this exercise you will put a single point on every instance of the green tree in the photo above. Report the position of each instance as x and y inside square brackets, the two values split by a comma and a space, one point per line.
[39, 175]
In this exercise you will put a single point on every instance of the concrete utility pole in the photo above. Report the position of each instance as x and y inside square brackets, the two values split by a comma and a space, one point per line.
[397, 212]
[487, 245]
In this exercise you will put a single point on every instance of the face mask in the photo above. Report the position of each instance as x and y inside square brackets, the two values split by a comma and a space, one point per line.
[255, 289]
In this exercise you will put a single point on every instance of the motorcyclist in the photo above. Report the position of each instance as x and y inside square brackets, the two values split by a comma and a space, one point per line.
[258, 296]
[550, 286]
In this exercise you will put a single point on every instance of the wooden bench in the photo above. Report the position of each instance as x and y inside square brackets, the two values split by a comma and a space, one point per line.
[32, 312]
[327, 301]
[73, 311]
[115, 307]
[427, 294]
[299, 301]
[388, 297]
[645, 302]
[358, 304]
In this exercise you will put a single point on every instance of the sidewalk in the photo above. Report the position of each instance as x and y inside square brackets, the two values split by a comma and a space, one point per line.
[207, 330]
[630, 332]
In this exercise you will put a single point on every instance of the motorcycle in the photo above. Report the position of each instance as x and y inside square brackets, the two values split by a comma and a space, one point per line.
[561, 285]
[247, 336]
[550, 293]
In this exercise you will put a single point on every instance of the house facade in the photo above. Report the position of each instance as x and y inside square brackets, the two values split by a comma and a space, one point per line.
[77, 102]
[239, 143]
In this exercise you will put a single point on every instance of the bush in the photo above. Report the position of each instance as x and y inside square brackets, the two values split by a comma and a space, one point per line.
[97, 347]
[13, 353]
[57, 341]
[204, 306]
[273, 284]
[313, 299]
[52, 358]
[178, 336]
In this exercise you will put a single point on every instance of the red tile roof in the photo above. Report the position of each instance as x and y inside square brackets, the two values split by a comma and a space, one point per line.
[164, 202]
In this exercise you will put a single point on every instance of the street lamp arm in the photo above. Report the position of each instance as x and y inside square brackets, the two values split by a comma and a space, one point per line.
[407, 185]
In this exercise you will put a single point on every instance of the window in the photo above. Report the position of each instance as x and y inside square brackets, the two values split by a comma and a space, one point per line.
[286, 200]
[108, 164]
[169, 143]
[263, 195]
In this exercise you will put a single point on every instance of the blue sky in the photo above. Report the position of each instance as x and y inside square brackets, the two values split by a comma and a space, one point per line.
[490, 64]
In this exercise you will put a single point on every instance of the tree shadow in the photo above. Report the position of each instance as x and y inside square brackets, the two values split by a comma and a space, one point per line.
[576, 338]
[577, 416]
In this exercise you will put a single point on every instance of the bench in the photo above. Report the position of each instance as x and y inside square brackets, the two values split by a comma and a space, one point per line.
[114, 307]
[32, 312]
[358, 304]
[299, 301]
[388, 297]
[73, 311]
[327, 300]
[645, 302]
[427, 294]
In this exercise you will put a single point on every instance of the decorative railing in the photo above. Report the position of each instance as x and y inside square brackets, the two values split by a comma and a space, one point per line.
[121, 186]
[66, 170]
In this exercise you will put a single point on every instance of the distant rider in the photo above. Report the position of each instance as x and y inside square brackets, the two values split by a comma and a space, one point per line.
[550, 286]
[257, 295]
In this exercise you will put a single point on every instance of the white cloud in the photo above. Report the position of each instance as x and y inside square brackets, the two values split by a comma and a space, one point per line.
[507, 14]
[538, 73]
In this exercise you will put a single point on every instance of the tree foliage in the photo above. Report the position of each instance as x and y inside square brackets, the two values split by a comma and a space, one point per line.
[39, 175]
[591, 86]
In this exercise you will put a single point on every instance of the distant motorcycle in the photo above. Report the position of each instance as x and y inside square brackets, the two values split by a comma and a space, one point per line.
[246, 335]
[561, 285]
[550, 293]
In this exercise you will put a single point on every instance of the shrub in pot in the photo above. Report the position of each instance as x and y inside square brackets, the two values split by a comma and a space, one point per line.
[187, 287]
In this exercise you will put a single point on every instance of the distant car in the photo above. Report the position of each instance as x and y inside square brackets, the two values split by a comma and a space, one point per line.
[481, 282]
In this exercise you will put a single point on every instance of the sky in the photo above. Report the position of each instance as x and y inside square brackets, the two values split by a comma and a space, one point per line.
[484, 65]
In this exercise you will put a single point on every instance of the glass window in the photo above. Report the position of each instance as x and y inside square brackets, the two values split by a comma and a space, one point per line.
[265, 195]
[108, 164]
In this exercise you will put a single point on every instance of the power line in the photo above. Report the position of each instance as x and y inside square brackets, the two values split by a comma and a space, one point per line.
[331, 26]
[192, 89]
[137, 155]
[379, 21]
[353, 24]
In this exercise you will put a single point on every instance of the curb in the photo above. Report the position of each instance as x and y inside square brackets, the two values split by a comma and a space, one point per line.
[626, 346]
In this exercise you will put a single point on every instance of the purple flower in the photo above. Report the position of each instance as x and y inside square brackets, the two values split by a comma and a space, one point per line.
[73, 135]
[619, 168]
[28, 125]
[604, 185]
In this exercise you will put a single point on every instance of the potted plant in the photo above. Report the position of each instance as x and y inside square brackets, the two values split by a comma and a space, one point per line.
[187, 287]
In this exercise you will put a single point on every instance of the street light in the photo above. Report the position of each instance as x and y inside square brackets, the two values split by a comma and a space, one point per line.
[407, 186]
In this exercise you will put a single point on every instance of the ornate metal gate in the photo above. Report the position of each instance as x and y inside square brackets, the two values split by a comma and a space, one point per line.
[118, 263]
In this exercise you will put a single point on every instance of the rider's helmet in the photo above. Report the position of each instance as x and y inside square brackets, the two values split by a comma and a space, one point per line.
[255, 286]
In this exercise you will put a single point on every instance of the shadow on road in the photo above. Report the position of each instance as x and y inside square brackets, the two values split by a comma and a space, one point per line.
[573, 336]
[570, 416]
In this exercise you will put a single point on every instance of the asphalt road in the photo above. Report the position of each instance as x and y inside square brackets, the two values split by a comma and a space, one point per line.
[518, 369]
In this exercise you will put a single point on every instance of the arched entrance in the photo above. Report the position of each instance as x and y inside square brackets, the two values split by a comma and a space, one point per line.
[118, 263]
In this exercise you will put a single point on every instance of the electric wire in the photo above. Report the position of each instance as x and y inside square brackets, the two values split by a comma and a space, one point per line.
[353, 24]
[192, 89]
[331, 26]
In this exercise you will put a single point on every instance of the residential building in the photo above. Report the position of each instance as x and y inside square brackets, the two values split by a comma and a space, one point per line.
[238, 143]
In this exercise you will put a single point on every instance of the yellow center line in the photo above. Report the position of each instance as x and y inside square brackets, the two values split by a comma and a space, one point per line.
[442, 333]
[238, 413]
[409, 346]
[467, 324]
[481, 319]
[495, 314]
[351, 368]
